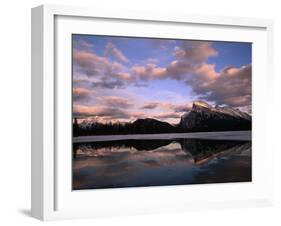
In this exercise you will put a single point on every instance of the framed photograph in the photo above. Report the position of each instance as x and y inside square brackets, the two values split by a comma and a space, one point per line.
[137, 112]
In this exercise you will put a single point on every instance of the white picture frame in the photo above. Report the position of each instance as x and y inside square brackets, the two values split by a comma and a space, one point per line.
[52, 197]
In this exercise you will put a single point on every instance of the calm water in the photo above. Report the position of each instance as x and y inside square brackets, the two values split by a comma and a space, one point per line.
[133, 163]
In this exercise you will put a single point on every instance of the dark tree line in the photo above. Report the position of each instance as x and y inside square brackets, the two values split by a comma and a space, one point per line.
[98, 128]
[152, 126]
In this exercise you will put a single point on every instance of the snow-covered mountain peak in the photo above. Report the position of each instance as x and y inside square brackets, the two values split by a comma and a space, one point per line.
[203, 116]
[198, 105]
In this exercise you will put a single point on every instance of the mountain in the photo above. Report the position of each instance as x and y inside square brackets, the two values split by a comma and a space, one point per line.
[204, 117]
[149, 125]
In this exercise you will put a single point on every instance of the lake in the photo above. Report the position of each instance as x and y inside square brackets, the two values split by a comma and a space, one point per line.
[158, 162]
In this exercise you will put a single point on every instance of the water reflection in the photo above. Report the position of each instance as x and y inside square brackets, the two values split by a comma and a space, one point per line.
[132, 163]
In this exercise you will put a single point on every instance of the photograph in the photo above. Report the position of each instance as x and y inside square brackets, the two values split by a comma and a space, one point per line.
[152, 111]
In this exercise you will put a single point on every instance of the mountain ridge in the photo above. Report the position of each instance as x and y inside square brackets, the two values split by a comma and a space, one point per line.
[205, 117]
[202, 117]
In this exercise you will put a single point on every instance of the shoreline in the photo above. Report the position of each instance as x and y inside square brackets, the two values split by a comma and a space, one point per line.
[245, 135]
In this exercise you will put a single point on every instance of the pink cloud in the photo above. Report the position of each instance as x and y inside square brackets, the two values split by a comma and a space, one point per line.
[168, 106]
[148, 72]
[81, 93]
[190, 57]
[91, 64]
[115, 101]
[124, 76]
[195, 52]
[112, 50]
[99, 111]
[207, 71]
[232, 87]
[166, 115]
[81, 44]
[152, 105]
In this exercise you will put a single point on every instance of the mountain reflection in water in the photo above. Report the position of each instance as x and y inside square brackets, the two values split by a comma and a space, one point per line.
[133, 163]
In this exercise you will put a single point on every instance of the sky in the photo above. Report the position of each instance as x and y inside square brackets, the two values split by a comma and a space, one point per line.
[126, 78]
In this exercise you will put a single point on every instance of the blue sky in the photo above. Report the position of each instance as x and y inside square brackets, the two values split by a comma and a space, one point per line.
[236, 54]
[125, 78]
